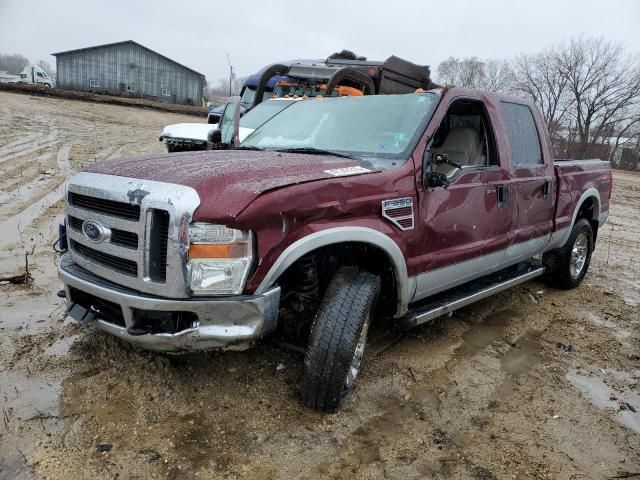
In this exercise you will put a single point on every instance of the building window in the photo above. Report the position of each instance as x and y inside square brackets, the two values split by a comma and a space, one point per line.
[131, 88]
[165, 92]
[93, 83]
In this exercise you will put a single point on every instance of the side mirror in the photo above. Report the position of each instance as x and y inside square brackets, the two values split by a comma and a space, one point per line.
[430, 177]
[214, 140]
[229, 124]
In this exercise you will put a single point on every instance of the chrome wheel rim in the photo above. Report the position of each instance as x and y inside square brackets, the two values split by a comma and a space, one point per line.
[579, 254]
[358, 355]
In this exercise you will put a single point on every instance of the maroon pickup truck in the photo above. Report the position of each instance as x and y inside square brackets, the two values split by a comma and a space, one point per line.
[332, 214]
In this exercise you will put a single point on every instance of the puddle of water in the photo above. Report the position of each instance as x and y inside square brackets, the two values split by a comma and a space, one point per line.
[606, 398]
[520, 360]
[61, 347]
[483, 334]
[619, 333]
[479, 336]
[427, 398]
[516, 362]
[30, 410]
[39, 314]
[632, 302]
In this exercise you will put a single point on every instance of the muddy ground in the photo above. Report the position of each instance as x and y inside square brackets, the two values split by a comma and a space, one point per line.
[533, 383]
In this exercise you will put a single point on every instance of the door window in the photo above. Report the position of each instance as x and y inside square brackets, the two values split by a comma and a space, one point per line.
[522, 134]
[466, 137]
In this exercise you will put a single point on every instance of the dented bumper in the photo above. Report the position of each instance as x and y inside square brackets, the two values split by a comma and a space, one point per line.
[169, 325]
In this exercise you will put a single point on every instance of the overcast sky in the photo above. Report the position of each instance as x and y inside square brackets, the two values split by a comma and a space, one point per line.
[199, 33]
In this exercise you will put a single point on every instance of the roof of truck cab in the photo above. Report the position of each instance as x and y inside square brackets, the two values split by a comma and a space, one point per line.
[497, 96]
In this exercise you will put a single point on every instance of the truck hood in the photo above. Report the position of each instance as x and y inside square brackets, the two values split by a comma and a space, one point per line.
[227, 181]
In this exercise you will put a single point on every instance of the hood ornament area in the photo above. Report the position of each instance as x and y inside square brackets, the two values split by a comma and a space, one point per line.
[95, 232]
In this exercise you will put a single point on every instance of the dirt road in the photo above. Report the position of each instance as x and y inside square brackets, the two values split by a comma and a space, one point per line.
[533, 383]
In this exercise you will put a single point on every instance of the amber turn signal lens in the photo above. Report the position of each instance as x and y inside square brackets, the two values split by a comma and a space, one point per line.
[218, 250]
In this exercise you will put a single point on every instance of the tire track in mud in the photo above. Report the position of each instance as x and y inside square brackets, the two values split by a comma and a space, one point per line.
[16, 173]
[49, 141]
[30, 138]
[12, 228]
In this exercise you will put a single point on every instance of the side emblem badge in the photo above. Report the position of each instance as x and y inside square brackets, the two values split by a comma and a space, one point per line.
[399, 211]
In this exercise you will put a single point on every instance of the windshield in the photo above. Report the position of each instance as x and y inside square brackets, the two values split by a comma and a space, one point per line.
[381, 126]
[249, 95]
[263, 112]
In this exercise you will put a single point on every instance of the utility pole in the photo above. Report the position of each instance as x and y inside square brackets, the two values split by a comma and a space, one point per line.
[230, 73]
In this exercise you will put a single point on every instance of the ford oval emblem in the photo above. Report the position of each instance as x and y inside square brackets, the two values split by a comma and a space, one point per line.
[95, 232]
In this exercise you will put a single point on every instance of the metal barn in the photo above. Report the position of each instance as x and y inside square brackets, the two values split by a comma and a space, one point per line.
[131, 70]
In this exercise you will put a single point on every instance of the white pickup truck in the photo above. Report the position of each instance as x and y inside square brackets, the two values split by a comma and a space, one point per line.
[183, 137]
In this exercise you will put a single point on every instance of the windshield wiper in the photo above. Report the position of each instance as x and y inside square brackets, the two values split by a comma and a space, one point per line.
[249, 147]
[317, 151]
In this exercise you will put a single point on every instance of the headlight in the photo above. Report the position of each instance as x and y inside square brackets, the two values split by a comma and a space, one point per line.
[219, 259]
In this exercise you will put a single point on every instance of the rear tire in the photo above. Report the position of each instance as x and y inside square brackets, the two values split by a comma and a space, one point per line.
[567, 266]
[338, 336]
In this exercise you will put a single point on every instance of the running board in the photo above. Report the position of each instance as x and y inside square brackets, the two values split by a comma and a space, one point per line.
[455, 301]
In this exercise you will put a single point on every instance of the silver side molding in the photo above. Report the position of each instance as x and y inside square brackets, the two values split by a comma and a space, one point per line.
[436, 281]
[454, 303]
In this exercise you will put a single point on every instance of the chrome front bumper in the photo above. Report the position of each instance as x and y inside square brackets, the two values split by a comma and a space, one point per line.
[233, 322]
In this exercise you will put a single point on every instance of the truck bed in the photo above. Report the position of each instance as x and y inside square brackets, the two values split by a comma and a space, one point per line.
[577, 178]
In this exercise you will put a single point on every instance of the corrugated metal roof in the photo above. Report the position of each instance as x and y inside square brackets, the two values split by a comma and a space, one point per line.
[123, 43]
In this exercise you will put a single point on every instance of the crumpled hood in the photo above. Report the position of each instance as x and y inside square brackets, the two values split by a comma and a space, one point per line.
[229, 180]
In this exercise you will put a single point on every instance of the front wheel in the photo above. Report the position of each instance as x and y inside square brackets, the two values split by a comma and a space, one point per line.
[567, 266]
[338, 337]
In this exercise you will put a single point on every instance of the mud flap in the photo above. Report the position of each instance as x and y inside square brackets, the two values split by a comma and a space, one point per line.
[80, 314]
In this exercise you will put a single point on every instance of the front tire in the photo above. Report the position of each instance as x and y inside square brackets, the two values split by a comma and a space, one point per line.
[567, 266]
[338, 337]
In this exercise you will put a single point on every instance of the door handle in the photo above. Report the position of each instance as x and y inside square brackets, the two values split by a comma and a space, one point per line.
[503, 195]
[546, 188]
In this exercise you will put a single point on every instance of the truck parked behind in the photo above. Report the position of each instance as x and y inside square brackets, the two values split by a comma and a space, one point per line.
[35, 74]
[30, 74]
[308, 78]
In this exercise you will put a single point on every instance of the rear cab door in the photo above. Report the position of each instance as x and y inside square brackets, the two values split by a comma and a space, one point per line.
[533, 179]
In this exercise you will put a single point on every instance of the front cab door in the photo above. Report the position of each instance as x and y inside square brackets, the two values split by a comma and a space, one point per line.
[466, 226]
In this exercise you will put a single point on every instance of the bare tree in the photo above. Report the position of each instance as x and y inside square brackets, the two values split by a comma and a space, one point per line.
[466, 73]
[223, 85]
[604, 84]
[497, 76]
[491, 75]
[540, 77]
[13, 64]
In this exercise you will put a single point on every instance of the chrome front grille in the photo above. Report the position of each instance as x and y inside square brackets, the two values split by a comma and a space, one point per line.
[118, 237]
[108, 207]
[124, 266]
[142, 231]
